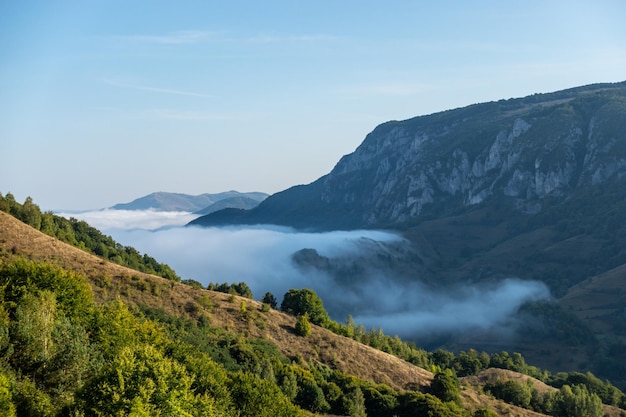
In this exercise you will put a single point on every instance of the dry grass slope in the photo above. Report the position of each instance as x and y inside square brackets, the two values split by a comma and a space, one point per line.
[110, 281]
[599, 299]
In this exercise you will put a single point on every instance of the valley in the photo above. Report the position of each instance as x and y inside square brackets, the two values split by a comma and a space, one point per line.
[490, 238]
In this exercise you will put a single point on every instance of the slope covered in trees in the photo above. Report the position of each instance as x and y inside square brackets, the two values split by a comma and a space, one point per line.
[118, 342]
[78, 233]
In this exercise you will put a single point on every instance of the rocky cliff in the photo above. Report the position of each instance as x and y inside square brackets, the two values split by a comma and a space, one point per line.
[522, 150]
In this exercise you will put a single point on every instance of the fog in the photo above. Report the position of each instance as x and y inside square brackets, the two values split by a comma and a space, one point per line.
[109, 219]
[262, 256]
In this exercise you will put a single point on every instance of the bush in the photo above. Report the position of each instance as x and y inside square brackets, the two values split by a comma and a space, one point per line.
[512, 392]
[484, 412]
[192, 283]
[305, 301]
[446, 387]
[303, 327]
[269, 299]
[576, 402]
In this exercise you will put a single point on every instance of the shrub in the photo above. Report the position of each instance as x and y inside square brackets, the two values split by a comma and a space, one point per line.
[303, 327]
[269, 299]
[484, 412]
[512, 392]
[305, 301]
[445, 386]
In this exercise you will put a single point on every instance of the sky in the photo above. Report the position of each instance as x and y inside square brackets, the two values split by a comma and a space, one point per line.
[102, 102]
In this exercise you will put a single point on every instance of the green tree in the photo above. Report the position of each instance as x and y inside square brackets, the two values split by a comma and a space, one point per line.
[299, 302]
[512, 392]
[576, 401]
[289, 384]
[142, 381]
[12, 205]
[30, 213]
[242, 289]
[74, 360]
[4, 204]
[48, 226]
[113, 327]
[270, 300]
[5, 324]
[303, 327]
[442, 358]
[446, 387]
[350, 327]
[311, 396]
[32, 333]
[468, 363]
[418, 404]
[380, 401]
[31, 401]
[255, 397]
[7, 408]
[354, 403]
[210, 378]
[73, 295]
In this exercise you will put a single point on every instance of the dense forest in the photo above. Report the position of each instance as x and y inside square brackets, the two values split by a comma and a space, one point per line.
[63, 354]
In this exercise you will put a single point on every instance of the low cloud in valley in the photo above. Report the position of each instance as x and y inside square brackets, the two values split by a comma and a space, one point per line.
[109, 219]
[263, 257]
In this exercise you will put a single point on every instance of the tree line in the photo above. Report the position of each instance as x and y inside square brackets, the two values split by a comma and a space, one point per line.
[60, 354]
[308, 307]
[63, 355]
[80, 234]
[577, 391]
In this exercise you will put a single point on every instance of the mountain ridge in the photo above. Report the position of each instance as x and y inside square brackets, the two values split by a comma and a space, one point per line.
[166, 201]
[405, 169]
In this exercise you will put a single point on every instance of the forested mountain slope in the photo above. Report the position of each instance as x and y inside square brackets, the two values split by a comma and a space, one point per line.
[522, 151]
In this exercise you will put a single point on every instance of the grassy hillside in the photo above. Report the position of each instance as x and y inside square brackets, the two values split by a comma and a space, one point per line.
[110, 281]
[235, 334]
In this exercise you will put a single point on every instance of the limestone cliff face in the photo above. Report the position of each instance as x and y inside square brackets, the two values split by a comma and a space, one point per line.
[521, 149]
[524, 150]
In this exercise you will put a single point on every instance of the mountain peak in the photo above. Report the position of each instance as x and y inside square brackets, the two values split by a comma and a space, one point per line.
[165, 201]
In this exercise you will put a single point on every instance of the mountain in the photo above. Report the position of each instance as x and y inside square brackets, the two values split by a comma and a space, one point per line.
[532, 188]
[526, 152]
[162, 201]
[238, 202]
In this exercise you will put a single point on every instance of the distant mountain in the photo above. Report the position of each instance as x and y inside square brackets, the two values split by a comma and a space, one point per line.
[240, 202]
[162, 201]
[532, 188]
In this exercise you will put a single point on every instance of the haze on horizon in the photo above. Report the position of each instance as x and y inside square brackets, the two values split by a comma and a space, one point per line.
[103, 102]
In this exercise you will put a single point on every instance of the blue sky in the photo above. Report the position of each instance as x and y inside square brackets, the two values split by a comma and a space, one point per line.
[105, 101]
